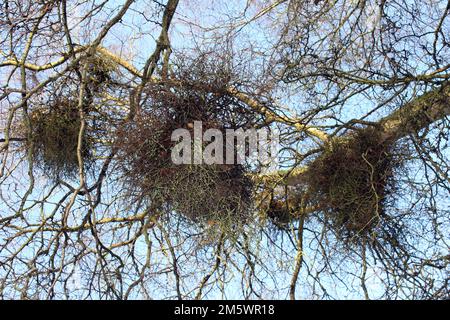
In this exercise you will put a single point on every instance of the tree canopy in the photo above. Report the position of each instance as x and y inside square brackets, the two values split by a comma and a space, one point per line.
[357, 91]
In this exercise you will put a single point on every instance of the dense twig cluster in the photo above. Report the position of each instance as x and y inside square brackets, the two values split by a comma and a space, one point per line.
[198, 191]
[352, 181]
[55, 131]
[55, 126]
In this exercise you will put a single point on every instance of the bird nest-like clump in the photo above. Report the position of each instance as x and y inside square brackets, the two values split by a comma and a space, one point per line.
[100, 71]
[54, 126]
[54, 133]
[352, 181]
[203, 193]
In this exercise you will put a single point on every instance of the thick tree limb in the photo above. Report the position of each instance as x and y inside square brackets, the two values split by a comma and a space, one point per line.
[418, 114]
[412, 117]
